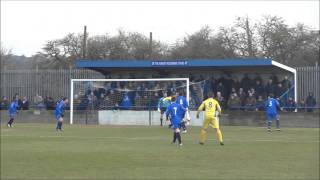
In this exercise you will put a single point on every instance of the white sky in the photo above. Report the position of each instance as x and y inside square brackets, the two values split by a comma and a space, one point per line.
[27, 25]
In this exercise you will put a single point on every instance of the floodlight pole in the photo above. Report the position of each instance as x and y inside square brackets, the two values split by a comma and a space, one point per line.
[84, 42]
[150, 45]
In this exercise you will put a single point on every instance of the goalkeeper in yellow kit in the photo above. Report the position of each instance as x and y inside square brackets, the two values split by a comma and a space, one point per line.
[211, 107]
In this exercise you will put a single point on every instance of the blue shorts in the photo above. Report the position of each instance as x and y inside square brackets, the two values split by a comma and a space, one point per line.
[272, 116]
[58, 116]
[176, 124]
[12, 115]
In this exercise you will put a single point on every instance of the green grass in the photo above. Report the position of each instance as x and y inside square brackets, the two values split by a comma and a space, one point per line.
[36, 151]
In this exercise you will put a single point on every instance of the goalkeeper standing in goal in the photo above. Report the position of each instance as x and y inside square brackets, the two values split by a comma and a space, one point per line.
[59, 112]
[163, 103]
[175, 111]
[210, 105]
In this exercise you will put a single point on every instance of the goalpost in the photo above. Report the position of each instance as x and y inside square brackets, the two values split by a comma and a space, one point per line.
[86, 86]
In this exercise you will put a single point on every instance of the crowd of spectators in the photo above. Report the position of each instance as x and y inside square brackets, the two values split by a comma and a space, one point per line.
[248, 93]
[39, 103]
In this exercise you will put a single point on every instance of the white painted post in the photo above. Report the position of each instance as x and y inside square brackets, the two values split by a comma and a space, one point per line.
[295, 88]
[71, 102]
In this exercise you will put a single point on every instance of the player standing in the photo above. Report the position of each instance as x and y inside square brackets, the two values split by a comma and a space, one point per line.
[175, 111]
[163, 103]
[185, 116]
[59, 112]
[271, 111]
[12, 110]
[210, 105]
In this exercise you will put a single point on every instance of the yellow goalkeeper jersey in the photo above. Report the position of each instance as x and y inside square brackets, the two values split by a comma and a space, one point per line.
[167, 98]
[210, 105]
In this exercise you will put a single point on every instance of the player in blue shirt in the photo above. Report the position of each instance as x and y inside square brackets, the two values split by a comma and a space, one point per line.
[272, 106]
[181, 99]
[12, 110]
[175, 111]
[59, 112]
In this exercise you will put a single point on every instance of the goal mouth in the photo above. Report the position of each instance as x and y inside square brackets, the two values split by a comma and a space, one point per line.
[116, 101]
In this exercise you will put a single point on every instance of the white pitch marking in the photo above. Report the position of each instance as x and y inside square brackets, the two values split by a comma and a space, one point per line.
[158, 138]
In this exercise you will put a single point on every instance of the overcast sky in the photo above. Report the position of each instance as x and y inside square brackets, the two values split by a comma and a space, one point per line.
[27, 25]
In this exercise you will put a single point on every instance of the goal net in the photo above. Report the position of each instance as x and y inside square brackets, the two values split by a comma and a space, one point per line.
[121, 101]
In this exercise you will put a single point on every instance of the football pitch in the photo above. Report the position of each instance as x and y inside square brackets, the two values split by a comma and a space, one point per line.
[37, 151]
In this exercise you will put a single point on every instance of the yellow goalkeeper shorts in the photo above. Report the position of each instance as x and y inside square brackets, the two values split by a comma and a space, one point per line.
[211, 120]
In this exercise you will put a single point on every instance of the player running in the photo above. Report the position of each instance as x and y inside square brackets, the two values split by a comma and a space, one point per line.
[175, 111]
[163, 103]
[185, 116]
[211, 107]
[271, 111]
[12, 111]
[59, 112]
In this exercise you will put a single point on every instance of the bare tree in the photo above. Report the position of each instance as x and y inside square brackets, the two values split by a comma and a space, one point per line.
[62, 53]
[5, 55]
[244, 34]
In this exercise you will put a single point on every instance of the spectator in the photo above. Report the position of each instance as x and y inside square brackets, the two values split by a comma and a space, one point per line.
[227, 85]
[38, 101]
[4, 103]
[302, 106]
[196, 94]
[220, 88]
[206, 88]
[286, 84]
[221, 80]
[259, 89]
[290, 105]
[49, 103]
[107, 104]
[154, 100]
[242, 96]
[83, 102]
[269, 89]
[19, 102]
[274, 79]
[233, 91]
[221, 100]
[279, 91]
[260, 104]
[234, 102]
[310, 102]
[250, 103]
[25, 103]
[214, 85]
[257, 78]
[145, 102]
[246, 82]
[236, 84]
[253, 92]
